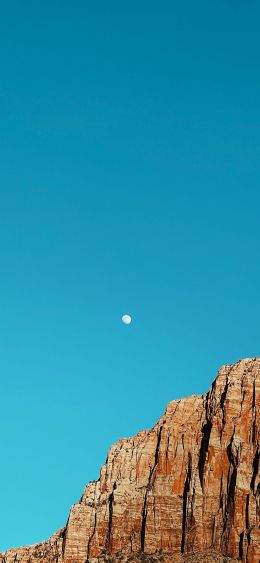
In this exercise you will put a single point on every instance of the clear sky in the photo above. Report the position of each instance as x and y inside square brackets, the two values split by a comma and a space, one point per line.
[129, 183]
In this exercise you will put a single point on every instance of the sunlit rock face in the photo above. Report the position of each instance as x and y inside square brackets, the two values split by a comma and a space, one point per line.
[187, 490]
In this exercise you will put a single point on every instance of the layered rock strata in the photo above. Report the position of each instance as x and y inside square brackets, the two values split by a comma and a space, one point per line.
[185, 490]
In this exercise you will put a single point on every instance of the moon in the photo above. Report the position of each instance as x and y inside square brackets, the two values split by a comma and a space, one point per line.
[126, 319]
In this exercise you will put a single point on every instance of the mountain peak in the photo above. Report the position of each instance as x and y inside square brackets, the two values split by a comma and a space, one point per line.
[186, 490]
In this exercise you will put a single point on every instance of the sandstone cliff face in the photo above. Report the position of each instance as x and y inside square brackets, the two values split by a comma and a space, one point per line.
[183, 491]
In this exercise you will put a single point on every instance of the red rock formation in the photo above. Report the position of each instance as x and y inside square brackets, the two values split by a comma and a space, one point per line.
[185, 490]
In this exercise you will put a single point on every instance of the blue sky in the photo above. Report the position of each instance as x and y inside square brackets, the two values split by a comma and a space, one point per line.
[129, 183]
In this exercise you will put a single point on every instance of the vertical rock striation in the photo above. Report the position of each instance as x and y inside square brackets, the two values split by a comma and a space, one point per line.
[188, 486]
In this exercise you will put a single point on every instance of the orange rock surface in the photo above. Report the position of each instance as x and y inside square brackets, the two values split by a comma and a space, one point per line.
[189, 486]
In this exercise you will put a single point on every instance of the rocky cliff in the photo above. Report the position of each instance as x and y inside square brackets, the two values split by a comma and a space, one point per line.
[187, 490]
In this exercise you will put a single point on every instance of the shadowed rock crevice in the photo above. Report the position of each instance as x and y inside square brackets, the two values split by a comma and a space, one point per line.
[231, 490]
[240, 547]
[222, 404]
[152, 469]
[143, 525]
[92, 535]
[255, 469]
[185, 499]
[110, 517]
[206, 430]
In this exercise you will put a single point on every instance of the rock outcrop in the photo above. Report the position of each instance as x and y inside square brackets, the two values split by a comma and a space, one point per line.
[187, 490]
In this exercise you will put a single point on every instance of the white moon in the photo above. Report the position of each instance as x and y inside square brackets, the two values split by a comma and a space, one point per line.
[126, 319]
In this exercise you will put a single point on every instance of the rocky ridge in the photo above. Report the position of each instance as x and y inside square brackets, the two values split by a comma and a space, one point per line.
[188, 490]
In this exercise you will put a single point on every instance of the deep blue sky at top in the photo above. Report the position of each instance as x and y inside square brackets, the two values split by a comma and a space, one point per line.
[129, 182]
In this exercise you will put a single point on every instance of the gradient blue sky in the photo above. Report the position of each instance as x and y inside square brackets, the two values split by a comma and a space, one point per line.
[129, 182]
